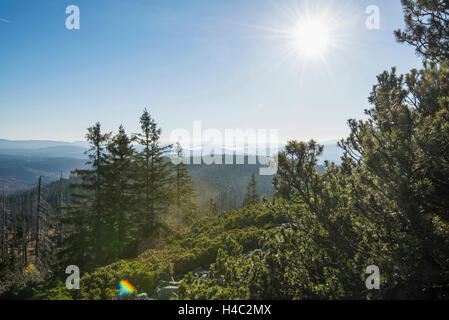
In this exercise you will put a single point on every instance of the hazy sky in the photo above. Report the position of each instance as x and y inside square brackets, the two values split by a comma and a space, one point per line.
[219, 61]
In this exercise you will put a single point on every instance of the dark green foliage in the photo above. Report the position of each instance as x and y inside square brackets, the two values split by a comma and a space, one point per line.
[385, 205]
[120, 196]
[11, 281]
[152, 176]
[427, 27]
[102, 284]
[86, 218]
[236, 232]
[399, 184]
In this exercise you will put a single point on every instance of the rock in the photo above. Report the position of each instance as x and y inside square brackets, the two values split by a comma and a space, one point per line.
[200, 273]
[280, 225]
[166, 290]
[250, 253]
[142, 296]
[198, 269]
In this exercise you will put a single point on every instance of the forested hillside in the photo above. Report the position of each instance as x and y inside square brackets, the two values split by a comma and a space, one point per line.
[22, 173]
[132, 214]
[23, 162]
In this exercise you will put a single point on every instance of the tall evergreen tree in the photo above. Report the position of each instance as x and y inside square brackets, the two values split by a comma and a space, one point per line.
[184, 195]
[38, 217]
[152, 176]
[252, 196]
[119, 194]
[211, 207]
[85, 240]
[4, 222]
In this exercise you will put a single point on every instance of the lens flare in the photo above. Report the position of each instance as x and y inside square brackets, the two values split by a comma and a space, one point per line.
[125, 289]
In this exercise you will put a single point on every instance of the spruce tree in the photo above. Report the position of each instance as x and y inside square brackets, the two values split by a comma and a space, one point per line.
[184, 195]
[4, 220]
[211, 208]
[119, 195]
[85, 241]
[252, 196]
[152, 176]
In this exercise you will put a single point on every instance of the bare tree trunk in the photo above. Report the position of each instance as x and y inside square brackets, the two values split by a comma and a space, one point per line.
[29, 237]
[61, 212]
[38, 216]
[14, 229]
[3, 208]
[25, 244]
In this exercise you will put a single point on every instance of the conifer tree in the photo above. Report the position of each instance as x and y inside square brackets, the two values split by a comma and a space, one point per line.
[184, 195]
[252, 196]
[401, 182]
[211, 207]
[152, 180]
[119, 195]
[4, 220]
[38, 217]
[427, 28]
[85, 239]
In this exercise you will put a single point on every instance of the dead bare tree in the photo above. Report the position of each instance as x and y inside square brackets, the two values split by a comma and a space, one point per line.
[4, 224]
[38, 211]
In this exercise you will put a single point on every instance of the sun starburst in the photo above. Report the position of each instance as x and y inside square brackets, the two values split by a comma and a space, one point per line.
[308, 32]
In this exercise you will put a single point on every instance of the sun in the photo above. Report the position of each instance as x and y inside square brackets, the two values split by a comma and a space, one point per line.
[311, 38]
[309, 34]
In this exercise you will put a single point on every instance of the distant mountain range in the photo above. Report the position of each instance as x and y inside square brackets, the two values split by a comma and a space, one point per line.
[37, 144]
[43, 148]
[54, 149]
[23, 161]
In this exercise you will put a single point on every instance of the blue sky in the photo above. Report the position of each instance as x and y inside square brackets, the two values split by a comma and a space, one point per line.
[186, 60]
